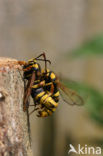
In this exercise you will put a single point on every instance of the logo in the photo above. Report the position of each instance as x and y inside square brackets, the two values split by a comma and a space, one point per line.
[85, 150]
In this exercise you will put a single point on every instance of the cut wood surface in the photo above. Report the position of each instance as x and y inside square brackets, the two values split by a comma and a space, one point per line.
[14, 137]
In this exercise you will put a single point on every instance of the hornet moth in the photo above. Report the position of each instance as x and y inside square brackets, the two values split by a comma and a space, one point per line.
[44, 87]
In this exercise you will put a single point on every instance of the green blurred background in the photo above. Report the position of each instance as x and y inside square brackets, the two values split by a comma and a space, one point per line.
[71, 34]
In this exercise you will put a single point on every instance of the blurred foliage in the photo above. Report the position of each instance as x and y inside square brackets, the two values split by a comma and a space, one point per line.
[94, 102]
[89, 48]
[93, 99]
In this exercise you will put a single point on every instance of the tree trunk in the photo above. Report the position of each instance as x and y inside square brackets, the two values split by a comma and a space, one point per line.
[14, 137]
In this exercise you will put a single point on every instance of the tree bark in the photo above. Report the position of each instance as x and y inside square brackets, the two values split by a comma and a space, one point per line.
[14, 137]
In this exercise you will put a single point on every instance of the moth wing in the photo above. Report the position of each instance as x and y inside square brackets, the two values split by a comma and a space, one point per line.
[69, 96]
[27, 91]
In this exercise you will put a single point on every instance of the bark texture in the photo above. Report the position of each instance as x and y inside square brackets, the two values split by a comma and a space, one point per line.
[14, 138]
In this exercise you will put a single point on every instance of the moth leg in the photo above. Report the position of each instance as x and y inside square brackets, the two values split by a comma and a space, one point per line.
[39, 107]
[33, 111]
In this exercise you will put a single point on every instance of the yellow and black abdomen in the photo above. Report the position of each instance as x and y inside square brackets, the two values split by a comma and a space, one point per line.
[56, 92]
[56, 95]
[45, 112]
[46, 102]
[49, 106]
[50, 79]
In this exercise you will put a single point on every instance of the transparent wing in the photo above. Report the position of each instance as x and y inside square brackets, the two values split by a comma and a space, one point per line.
[69, 96]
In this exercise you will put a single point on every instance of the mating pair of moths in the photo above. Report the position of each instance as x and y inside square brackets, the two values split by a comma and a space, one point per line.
[44, 87]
